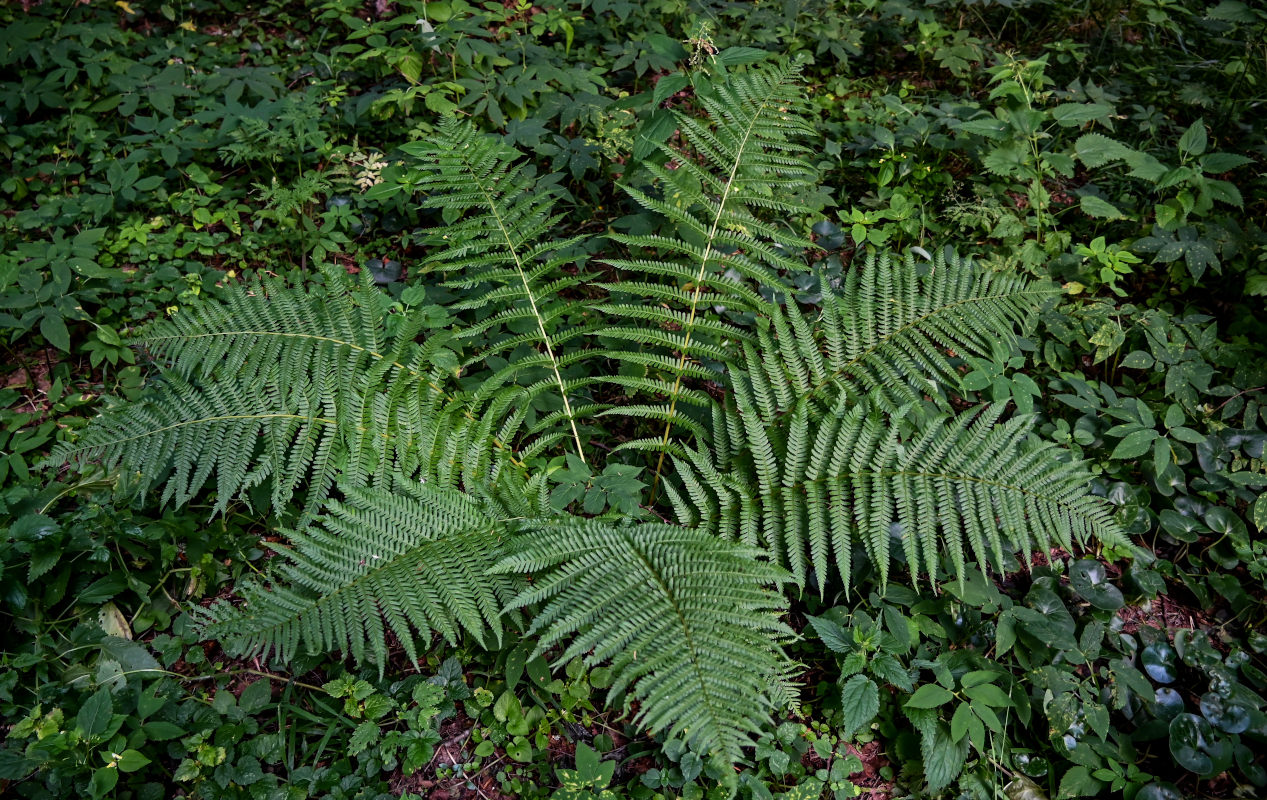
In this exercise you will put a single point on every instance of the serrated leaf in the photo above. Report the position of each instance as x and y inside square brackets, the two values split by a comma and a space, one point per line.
[94, 716]
[668, 86]
[1004, 160]
[1099, 207]
[944, 758]
[1096, 149]
[1225, 192]
[365, 735]
[1194, 139]
[1077, 782]
[860, 702]
[1217, 163]
[1071, 115]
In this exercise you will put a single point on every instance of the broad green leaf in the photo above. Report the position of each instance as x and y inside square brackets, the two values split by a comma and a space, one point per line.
[1089, 579]
[94, 716]
[1096, 149]
[989, 694]
[1134, 445]
[131, 761]
[53, 328]
[668, 86]
[860, 701]
[102, 782]
[1218, 163]
[1193, 141]
[930, 695]
[944, 758]
[1099, 207]
[1071, 115]
[959, 722]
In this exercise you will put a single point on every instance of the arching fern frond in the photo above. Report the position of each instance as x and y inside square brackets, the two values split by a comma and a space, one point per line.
[825, 480]
[744, 161]
[495, 242]
[407, 562]
[296, 387]
[891, 329]
[689, 624]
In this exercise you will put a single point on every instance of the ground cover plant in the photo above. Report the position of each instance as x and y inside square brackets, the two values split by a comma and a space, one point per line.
[632, 400]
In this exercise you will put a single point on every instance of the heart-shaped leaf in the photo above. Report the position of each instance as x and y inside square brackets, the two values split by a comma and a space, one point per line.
[1090, 579]
[1197, 746]
[1169, 703]
[1225, 715]
[1158, 659]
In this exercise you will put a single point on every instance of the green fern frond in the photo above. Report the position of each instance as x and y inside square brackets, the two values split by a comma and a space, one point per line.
[896, 332]
[827, 481]
[752, 161]
[497, 220]
[405, 561]
[689, 625]
[294, 387]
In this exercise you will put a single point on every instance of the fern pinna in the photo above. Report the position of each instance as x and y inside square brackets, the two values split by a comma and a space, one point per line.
[418, 503]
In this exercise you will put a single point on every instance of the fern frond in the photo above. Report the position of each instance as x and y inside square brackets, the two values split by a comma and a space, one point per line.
[828, 481]
[497, 218]
[749, 145]
[897, 333]
[407, 562]
[293, 387]
[690, 625]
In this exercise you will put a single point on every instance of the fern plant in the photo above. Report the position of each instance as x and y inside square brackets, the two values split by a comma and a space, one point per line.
[418, 504]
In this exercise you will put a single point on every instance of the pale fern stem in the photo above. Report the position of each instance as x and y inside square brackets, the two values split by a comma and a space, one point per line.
[532, 301]
[695, 293]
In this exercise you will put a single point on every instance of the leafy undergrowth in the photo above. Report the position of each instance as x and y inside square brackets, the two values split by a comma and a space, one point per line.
[163, 155]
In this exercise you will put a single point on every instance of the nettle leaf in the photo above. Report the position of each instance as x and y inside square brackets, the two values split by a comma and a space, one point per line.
[1194, 139]
[1096, 149]
[1005, 160]
[1099, 207]
[1218, 163]
[1071, 115]
[860, 701]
